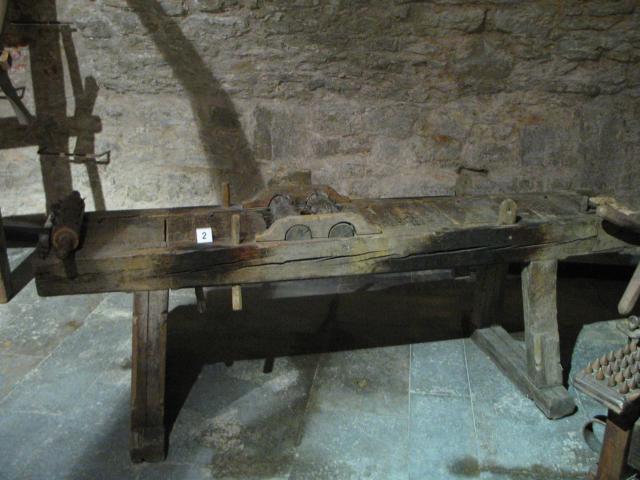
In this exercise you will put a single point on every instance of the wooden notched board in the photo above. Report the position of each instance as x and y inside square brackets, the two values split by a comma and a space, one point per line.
[157, 249]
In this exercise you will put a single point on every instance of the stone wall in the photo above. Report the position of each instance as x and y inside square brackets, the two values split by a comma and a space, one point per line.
[377, 98]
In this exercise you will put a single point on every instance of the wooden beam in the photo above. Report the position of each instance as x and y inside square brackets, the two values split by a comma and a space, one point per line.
[542, 339]
[509, 355]
[103, 269]
[6, 290]
[148, 437]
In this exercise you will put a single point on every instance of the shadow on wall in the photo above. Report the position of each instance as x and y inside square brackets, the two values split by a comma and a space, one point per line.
[50, 128]
[220, 131]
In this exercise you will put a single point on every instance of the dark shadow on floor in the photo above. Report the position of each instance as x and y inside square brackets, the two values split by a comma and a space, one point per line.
[219, 128]
[417, 313]
[268, 329]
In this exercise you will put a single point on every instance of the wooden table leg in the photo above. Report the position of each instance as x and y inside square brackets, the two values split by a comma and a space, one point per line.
[488, 295]
[5, 270]
[542, 339]
[536, 369]
[147, 441]
[615, 448]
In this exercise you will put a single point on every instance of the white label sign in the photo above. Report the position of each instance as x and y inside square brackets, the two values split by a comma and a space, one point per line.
[204, 235]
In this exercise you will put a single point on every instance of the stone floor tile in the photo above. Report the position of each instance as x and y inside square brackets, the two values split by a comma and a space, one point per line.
[368, 380]
[438, 368]
[241, 422]
[20, 435]
[90, 441]
[169, 471]
[345, 445]
[13, 368]
[37, 328]
[442, 438]
[100, 348]
[514, 436]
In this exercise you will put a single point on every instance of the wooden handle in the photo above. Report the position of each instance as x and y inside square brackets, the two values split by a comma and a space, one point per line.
[631, 294]
[618, 218]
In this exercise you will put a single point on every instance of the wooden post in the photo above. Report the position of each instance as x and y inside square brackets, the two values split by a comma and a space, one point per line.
[147, 441]
[226, 195]
[490, 280]
[615, 448]
[488, 295]
[5, 270]
[236, 290]
[542, 340]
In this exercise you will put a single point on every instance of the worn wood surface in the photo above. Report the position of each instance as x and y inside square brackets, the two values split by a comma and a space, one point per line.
[542, 340]
[147, 442]
[156, 249]
[509, 356]
[5, 270]
[615, 448]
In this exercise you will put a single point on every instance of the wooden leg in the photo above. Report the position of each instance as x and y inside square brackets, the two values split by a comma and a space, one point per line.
[488, 295]
[147, 442]
[536, 369]
[5, 270]
[615, 447]
[542, 340]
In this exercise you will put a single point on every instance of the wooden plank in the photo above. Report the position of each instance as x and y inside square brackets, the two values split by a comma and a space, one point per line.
[488, 295]
[148, 439]
[181, 230]
[5, 270]
[509, 356]
[542, 339]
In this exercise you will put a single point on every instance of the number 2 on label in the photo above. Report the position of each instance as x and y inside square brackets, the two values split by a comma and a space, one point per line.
[204, 235]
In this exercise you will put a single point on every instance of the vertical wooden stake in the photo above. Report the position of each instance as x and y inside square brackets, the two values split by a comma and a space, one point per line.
[236, 298]
[147, 441]
[5, 271]
[226, 195]
[490, 280]
[488, 296]
[615, 448]
[236, 290]
[542, 340]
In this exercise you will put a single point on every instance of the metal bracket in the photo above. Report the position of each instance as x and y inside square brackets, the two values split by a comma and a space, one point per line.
[103, 158]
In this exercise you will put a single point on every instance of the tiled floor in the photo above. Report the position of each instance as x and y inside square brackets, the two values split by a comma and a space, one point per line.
[420, 402]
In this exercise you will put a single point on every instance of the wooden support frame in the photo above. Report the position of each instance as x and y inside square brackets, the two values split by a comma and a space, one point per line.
[148, 436]
[535, 369]
[6, 290]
